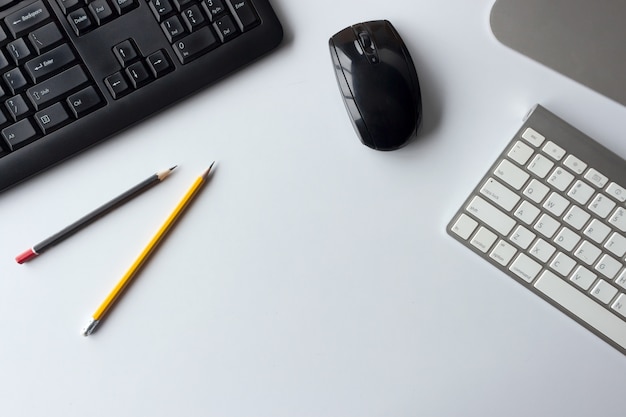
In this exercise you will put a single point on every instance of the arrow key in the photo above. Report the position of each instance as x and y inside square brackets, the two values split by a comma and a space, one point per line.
[159, 63]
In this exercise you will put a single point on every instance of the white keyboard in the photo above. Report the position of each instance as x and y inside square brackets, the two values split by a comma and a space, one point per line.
[551, 213]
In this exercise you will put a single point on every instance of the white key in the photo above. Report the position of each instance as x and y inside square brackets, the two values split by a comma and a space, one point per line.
[581, 192]
[616, 245]
[533, 137]
[464, 226]
[576, 217]
[556, 204]
[608, 266]
[526, 212]
[503, 252]
[597, 231]
[602, 205]
[575, 164]
[547, 226]
[491, 215]
[596, 178]
[603, 291]
[522, 237]
[621, 279]
[542, 250]
[617, 192]
[620, 305]
[540, 166]
[511, 174]
[554, 151]
[562, 264]
[499, 194]
[483, 239]
[560, 179]
[520, 153]
[583, 307]
[583, 277]
[525, 267]
[567, 239]
[587, 252]
[536, 191]
[618, 219]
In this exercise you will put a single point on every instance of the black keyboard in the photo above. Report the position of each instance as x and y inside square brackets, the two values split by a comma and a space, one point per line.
[75, 72]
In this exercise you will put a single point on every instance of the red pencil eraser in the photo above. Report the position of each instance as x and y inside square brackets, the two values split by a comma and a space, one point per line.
[26, 256]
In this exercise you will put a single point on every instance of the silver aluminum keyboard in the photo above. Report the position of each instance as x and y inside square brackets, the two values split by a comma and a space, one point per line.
[551, 213]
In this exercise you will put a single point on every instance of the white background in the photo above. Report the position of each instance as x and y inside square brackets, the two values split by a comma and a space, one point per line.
[313, 276]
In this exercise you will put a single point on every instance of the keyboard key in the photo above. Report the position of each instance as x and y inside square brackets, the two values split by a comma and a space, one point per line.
[225, 28]
[244, 14]
[583, 278]
[213, 8]
[562, 264]
[560, 179]
[527, 213]
[601, 205]
[567, 239]
[621, 279]
[542, 250]
[499, 194]
[522, 237]
[577, 217]
[554, 151]
[100, 11]
[597, 231]
[193, 17]
[27, 18]
[575, 164]
[533, 137]
[525, 268]
[50, 62]
[582, 307]
[608, 266]
[84, 102]
[547, 225]
[45, 37]
[556, 204]
[536, 191]
[124, 6]
[503, 252]
[603, 291]
[14, 80]
[138, 74]
[195, 44]
[19, 134]
[540, 166]
[69, 5]
[80, 21]
[464, 226]
[126, 52]
[587, 252]
[173, 29]
[17, 107]
[491, 216]
[159, 64]
[160, 8]
[18, 51]
[618, 219]
[581, 192]
[117, 85]
[520, 152]
[616, 245]
[617, 192]
[54, 88]
[596, 178]
[619, 305]
[51, 118]
[511, 174]
[484, 239]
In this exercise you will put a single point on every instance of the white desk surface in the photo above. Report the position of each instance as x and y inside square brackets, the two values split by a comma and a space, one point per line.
[313, 276]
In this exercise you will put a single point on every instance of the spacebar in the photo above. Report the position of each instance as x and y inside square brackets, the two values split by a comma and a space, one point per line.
[583, 307]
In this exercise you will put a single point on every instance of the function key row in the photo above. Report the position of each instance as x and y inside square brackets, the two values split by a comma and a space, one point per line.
[86, 15]
[195, 27]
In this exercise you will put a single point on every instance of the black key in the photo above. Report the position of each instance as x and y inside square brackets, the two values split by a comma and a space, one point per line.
[50, 62]
[225, 28]
[117, 85]
[51, 118]
[27, 18]
[138, 74]
[123, 6]
[4, 62]
[84, 101]
[213, 8]
[101, 11]
[15, 80]
[181, 4]
[125, 52]
[69, 5]
[173, 29]
[194, 45]
[19, 134]
[160, 8]
[193, 17]
[18, 51]
[45, 37]
[80, 21]
[159, 64]
[17, 107]
[54, 88]
[244, 13]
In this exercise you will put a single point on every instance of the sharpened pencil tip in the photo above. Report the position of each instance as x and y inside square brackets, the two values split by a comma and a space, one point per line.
[173, 168]
[205, 174]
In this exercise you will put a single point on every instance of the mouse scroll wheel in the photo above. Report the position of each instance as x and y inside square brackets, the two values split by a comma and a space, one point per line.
[366, 41]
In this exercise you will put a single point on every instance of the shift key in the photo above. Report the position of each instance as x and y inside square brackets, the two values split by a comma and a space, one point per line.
[53, 89]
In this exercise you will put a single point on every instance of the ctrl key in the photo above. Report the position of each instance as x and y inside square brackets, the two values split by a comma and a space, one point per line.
[19, 134]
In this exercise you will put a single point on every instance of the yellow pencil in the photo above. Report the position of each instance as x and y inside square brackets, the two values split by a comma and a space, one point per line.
[145, 254]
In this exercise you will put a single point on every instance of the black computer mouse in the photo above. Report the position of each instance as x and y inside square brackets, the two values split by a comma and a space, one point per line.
[378, 82]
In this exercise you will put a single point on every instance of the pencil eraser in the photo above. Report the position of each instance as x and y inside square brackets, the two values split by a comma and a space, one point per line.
[26, 256]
